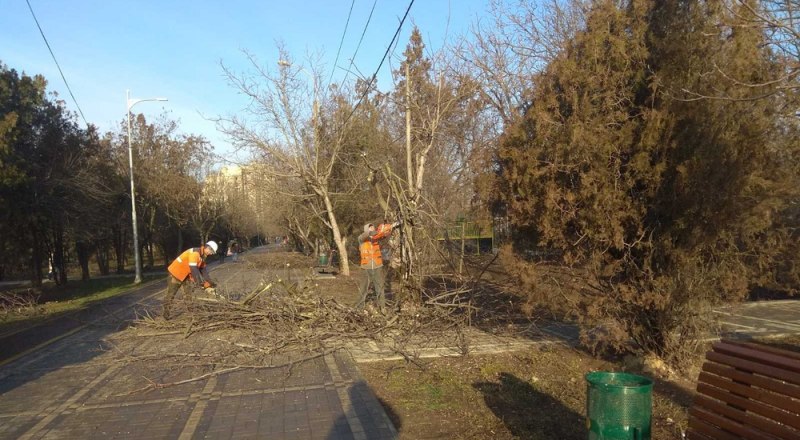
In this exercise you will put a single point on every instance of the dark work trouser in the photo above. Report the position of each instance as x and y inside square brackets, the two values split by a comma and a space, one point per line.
[173, 284]
[374, 277]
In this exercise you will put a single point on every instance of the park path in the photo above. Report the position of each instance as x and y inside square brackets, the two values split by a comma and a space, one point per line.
[72, 383]
[761, 318]
[66, 379]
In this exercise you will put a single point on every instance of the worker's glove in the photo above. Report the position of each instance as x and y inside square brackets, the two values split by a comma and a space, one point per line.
[210, 291]
[207, 284]
[397, 224]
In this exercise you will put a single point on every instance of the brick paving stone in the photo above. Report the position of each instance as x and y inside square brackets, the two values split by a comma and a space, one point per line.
[14, 426]
[341, 431]
[43, 385]
[77, 388]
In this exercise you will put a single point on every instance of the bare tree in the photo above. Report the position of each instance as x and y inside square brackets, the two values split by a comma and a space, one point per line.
[779, 20]
[283, 133]
[518, 40]
[429, 102]
[776, 23]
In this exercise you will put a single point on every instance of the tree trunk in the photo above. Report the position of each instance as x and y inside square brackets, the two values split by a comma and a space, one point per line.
[59, 263]
[36, 259]
[409, 175]
[461, 260]
[119, 249]
[83, 251]
[150, 260]
[180, 241]
[164, 245]
[341, 242]
[299, 236]
[408, 249]
[103, 256]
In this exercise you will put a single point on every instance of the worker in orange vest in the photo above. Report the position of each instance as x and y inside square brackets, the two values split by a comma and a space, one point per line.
[190, 265]
[372, 263]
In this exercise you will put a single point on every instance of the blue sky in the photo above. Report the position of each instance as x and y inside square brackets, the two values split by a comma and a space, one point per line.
[173, 48]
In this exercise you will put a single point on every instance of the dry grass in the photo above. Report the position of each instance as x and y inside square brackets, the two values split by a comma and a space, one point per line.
[534, 394]
[538, 393]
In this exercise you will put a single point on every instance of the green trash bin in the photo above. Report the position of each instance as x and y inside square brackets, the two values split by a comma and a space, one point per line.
[323, 259]
[618, 406]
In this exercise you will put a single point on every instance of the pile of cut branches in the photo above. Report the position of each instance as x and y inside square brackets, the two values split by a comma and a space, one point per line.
[278, 319]
[279, 315]
[304, 318]
[20, 302]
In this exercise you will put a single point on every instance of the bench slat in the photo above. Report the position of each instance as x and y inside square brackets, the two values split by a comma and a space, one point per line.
[764, 382]
[747, 390]
[731, 426]
[781, 361]
[755, 367]
[752, 393]
[766, 425]
[786, 418]
[694, 435]
[698, 424]
[774, 350]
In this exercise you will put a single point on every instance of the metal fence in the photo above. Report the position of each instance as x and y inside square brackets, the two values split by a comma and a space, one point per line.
[469, 237]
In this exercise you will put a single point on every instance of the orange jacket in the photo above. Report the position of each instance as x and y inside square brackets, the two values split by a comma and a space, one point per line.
[181, 268]
[371, 250]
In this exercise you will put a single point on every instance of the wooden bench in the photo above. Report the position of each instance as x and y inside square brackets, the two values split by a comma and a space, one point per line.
[748, 391]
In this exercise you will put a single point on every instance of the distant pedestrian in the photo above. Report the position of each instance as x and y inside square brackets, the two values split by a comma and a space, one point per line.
[233, 251]
[189, 266]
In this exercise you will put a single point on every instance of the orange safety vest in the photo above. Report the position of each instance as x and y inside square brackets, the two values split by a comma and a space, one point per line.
[371, 250]
[181, 268]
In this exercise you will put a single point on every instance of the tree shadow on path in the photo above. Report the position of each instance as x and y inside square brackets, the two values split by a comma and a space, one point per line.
[529, 413]
[372, 415]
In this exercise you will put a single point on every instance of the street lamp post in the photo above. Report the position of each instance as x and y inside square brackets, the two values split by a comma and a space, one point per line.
[137, 259]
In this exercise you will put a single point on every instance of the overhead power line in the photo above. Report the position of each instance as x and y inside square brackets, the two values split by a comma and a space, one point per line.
[56, 61]
[385, 54]
[352, 60]
[342, 40]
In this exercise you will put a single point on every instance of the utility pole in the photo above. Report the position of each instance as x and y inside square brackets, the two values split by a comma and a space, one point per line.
[409, 172]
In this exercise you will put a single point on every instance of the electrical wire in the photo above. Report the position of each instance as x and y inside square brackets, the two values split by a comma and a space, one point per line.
[56, 61]
[342, 40]
[375, 75]
[358, 46]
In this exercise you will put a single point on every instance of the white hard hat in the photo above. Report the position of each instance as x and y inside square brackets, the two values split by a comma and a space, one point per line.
[213, 245]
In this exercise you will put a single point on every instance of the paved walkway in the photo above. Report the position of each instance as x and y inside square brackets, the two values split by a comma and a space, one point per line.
[73, 377]
[79, 384]
[761, 318]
